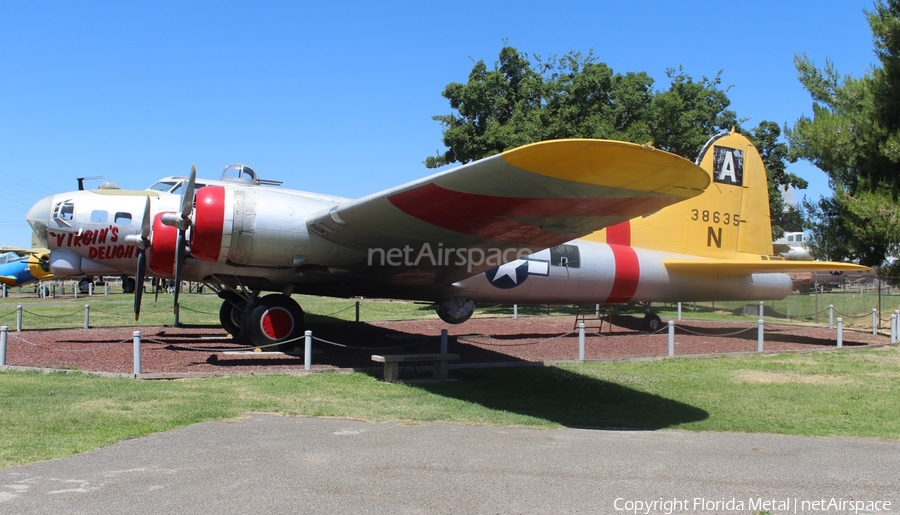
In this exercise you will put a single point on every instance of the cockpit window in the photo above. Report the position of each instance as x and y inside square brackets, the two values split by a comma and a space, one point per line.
[180, 187]
[123, 218]
[164, 185]
[64, 212]
[239, 172]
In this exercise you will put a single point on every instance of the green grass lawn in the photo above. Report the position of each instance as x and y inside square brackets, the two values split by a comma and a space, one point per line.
[840, 393]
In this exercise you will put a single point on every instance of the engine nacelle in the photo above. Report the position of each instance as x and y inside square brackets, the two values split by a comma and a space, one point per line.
[161, 257]
[254, 227]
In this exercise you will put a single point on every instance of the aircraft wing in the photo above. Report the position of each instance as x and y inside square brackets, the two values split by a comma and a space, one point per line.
[8, 280]
[728, 267]
[532, 197]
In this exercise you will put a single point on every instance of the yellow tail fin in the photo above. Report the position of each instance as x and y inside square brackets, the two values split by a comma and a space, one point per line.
[730, 220]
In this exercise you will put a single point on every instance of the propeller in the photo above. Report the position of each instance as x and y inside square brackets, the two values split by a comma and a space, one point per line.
[142, 242]
[182, 221]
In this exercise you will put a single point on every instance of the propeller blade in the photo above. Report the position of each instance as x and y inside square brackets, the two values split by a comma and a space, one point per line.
[187, 196]
[139, 282]
[145, 223]
[187, 205]
[143, 244]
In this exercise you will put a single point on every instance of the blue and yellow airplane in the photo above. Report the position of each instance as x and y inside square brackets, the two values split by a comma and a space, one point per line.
[23, 266]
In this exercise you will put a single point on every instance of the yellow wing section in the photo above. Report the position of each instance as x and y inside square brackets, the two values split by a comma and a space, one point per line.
[612, 164]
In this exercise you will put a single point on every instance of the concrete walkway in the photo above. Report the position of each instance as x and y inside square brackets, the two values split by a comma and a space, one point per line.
[271, 464]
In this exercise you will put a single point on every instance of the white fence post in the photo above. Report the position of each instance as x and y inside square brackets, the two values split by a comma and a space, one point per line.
[893, 327]
[3, 334]
[679, 311]
[87, 316]
[580, 341]
[874, 321]
[831, 316]
[672, 336]
[761, 309]
[19, 318]
[840, 332]
[136, 337]
[759, 335]
[307, 350]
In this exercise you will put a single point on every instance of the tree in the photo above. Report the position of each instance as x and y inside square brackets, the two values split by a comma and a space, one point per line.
[854, 137]
[774, 155]
[576, 96]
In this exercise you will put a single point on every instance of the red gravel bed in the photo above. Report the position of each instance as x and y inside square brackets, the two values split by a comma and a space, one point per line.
[168, 350]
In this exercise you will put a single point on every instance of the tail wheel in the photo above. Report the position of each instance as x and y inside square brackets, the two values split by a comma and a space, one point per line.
[275, 319]
[652, 322]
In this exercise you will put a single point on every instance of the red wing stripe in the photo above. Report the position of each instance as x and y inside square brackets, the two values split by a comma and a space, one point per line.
[619, 234]
[628, 274]
[493, 217]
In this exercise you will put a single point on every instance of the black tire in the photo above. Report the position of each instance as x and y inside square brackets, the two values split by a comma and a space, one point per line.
[456, 310]
[274, 320]
[231, 314]
[652, 323]
[84, 285]
[128, 284]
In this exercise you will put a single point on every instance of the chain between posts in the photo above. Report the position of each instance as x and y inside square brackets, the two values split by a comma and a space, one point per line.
[23, 340]
[545, 340]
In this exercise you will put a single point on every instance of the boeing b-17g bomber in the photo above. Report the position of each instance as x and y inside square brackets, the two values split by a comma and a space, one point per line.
[555, 222]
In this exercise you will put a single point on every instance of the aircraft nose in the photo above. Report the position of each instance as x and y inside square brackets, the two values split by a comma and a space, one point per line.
[38, 217]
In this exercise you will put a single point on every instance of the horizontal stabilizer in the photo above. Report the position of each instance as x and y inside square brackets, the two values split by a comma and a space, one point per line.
[712, 267]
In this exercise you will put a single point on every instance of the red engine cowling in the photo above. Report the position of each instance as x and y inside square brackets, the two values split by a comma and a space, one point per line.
[161, 257]
[209, 219]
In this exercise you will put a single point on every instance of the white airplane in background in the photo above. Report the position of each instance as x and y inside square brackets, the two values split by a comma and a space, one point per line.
[555, 222]
[792, 246]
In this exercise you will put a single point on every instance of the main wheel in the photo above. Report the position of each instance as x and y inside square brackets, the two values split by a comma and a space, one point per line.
[231, 313]
[275, 322]
[456, 310]
[84, 285]
[128, 285]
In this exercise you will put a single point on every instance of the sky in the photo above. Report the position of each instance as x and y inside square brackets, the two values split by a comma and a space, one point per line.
[338, 97]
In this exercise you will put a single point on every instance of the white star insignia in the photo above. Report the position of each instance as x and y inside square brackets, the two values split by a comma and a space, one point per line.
[509, 270]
